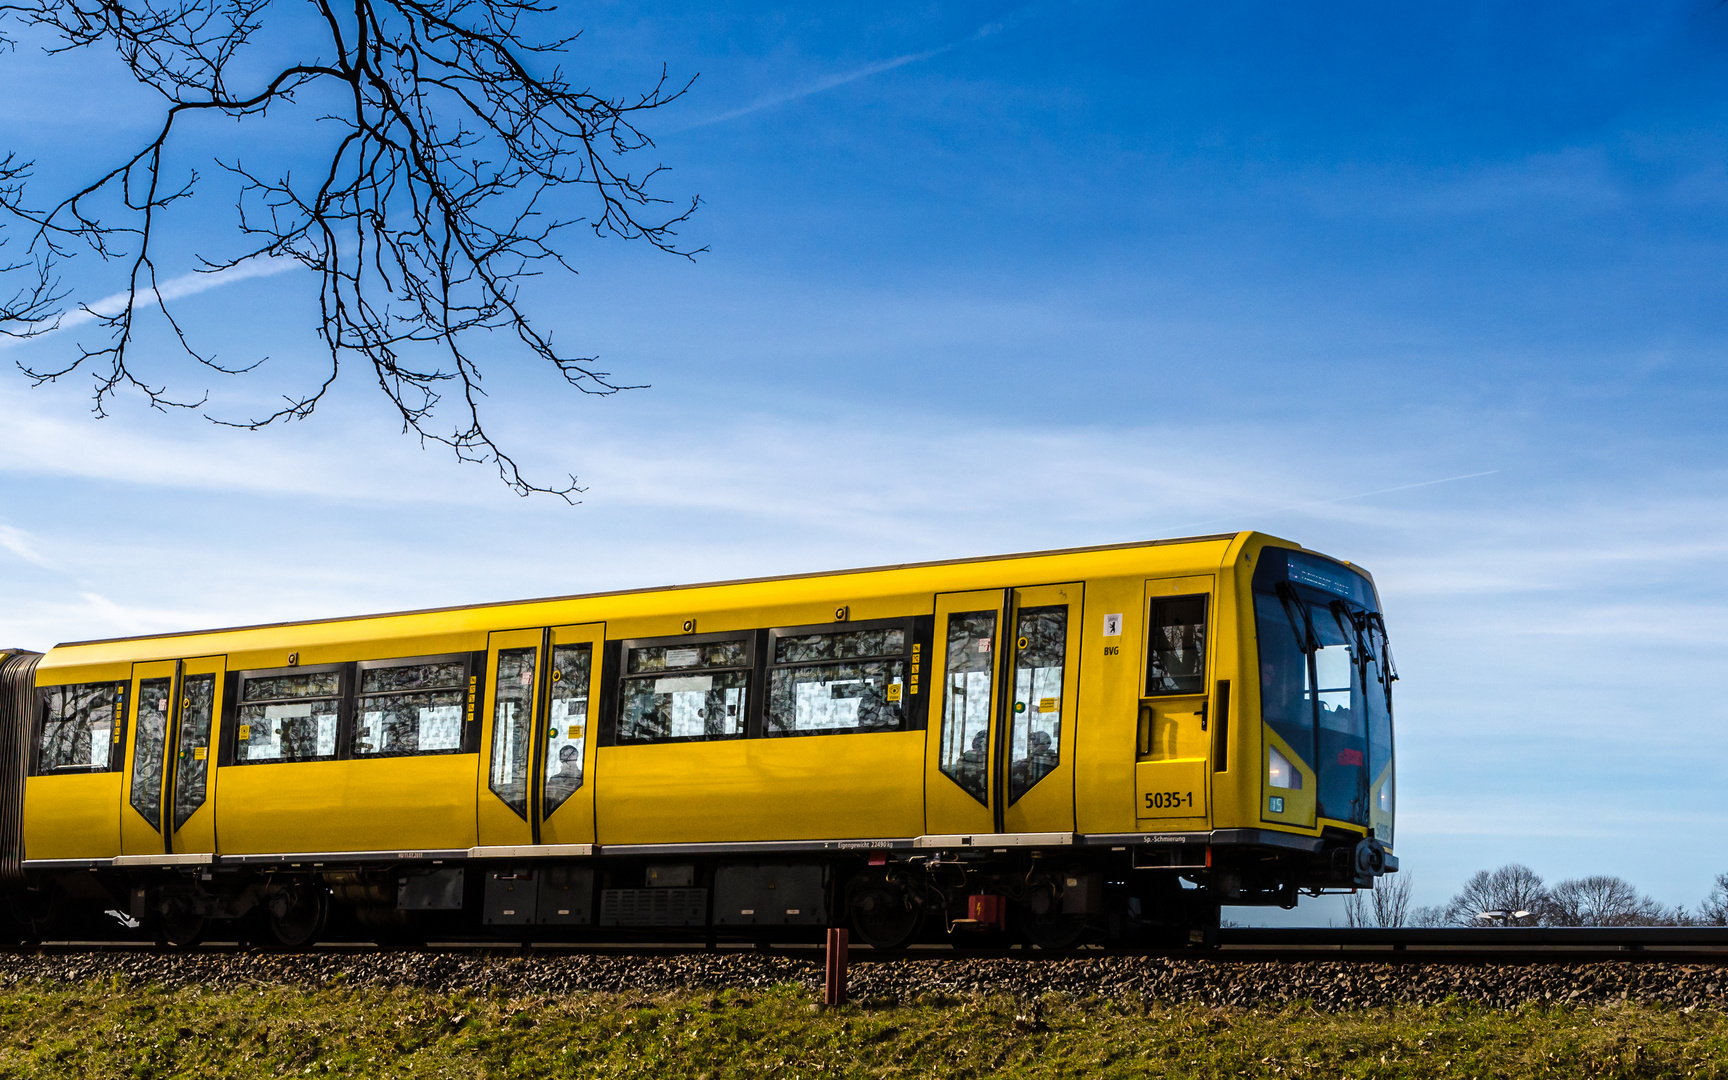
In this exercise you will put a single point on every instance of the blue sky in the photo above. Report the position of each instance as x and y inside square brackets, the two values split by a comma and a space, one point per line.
[1438, 291]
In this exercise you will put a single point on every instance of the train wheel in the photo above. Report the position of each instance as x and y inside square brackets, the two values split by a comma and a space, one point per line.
[1040, 920]
[180, 927]
[33, 915]
[882, 914]
[297, 912]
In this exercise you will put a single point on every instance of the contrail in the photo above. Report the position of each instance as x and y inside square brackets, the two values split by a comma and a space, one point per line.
[768, 101]
[1343, 498]
[173, 289]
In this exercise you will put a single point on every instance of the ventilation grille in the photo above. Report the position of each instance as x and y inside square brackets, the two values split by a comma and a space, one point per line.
[654, 907]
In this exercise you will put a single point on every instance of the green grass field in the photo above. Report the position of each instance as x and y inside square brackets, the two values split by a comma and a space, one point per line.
[98, 1030]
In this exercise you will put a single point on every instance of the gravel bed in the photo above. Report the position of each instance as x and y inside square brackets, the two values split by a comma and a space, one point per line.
[1328, 985]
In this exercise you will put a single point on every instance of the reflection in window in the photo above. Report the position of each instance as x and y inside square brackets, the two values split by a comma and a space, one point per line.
[192, 767]
[1035, 732]
[410, 709]
[845, 681]
[310, 684]
[512, 717]
[567, 728]
[149, 747]
[713, 654]
[288, 718]
[81, 726]
[677, 692]
[1176, 653]
[841, 645]
[966, 701]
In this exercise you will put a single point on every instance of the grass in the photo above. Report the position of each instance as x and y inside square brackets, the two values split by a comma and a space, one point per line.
[99, 1030]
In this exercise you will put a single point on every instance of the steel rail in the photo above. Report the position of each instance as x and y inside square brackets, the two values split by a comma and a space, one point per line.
[1233, 945]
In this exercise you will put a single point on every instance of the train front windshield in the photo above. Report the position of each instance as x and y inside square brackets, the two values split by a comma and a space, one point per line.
[1326, 678]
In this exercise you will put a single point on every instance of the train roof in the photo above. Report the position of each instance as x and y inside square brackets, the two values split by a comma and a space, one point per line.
[570, 608]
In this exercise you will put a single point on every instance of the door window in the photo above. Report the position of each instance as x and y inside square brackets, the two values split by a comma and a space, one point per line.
[567, 727]
[191, 770]
[966, 701]
[512, 715]
[1176, 655]
[153, 695]
[1035, 730]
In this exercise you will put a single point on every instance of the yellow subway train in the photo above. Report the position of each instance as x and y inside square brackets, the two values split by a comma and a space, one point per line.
[1103, 743]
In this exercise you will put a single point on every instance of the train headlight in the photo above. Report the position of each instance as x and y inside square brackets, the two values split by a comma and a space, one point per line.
[1279, 772]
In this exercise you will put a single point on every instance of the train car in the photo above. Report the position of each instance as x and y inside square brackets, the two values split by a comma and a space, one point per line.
[1105, 743]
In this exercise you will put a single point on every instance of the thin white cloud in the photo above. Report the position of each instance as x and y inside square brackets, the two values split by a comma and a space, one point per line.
[173, 289]
[17, 541]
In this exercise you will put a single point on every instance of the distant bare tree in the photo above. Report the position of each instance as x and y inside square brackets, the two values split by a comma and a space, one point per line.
[1601, 900]
[1386, 904]
[1430, 915]
[447, 158]
[1714, 910]
[1512, 888]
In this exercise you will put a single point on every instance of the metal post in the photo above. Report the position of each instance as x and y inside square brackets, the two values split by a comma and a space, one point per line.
[834, 992]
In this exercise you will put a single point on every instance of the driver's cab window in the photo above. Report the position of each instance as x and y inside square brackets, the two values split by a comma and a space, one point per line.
[1176, 656]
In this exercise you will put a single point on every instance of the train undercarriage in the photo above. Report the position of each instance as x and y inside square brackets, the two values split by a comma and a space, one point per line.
[1125, 896]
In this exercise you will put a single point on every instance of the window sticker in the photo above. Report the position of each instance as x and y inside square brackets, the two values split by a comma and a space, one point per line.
[1113, 625]
[685, 684]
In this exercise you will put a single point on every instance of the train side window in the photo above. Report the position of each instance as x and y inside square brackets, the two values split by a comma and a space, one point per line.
[82, 728]
[826, 681]
[288, 715]
[1176, 654]
[407, 707]
[685, 689]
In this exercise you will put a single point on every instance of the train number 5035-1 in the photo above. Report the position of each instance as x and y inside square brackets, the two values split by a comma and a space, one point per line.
[1168, 800]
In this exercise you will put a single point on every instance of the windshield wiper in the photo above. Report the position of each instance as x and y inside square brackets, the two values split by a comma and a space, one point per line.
[1287, 599]
[1386, 645]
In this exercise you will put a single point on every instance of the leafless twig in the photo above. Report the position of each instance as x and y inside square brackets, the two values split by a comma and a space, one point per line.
[456, 148]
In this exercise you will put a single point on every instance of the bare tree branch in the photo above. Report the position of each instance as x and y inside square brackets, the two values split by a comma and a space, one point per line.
[459, 152]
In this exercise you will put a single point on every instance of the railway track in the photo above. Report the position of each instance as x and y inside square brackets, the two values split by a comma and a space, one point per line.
[1329, 970]
[1234, 945]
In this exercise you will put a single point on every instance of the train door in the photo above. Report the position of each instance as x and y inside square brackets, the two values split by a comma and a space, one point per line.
[1178, 716]
[170, 783]
[536, 744]
[1005, 667]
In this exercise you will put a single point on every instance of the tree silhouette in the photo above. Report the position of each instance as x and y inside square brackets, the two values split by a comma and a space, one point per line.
[452, 158]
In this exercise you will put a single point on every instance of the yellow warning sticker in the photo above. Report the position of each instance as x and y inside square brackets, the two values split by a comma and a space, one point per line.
[575, 731]
[1047, 704]
[199, 753]
[893, 691]
[245, 731]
